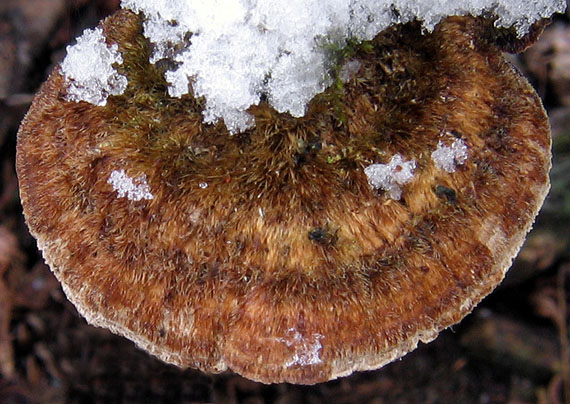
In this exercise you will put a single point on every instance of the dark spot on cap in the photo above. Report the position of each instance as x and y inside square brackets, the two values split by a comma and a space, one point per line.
[323, 236]
[444, 192]
[308, 151]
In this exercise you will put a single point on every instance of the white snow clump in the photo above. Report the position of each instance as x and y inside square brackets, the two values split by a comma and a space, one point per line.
[242, 51]
[88, 69]
[134, 190]
[390, 177]
[307, 350]
[446, 157]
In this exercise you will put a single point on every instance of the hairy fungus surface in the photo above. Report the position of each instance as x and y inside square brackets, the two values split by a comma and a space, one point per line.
[278, 252]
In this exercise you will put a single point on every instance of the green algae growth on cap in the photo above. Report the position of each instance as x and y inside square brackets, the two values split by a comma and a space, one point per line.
[294, 244]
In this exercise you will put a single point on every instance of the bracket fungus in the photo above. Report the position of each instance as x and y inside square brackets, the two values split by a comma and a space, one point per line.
[296, 249]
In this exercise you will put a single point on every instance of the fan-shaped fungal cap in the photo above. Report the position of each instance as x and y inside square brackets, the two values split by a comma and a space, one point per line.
[304, 248]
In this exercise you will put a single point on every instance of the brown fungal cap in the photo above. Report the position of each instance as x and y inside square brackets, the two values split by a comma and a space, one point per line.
[269, 252]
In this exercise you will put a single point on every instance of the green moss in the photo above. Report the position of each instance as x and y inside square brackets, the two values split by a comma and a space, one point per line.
[351, 125]
[339, 55]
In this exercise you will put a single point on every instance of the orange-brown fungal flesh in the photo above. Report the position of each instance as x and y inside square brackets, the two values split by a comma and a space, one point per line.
[268, 252]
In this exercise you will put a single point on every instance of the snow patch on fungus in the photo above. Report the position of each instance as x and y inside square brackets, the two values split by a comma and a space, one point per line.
[237, 52]
[134, 189]
[447, 157]
[306, 350]
[88, 69]
[390, 177]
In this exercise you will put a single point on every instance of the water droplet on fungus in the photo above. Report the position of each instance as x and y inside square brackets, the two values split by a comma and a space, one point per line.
[215, 277]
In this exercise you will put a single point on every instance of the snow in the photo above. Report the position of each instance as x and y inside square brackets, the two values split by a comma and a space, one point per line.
[235, 53]
[306, 349]
[241, 51]
[88, 69]
[447, 157]
[392, 176]
[134, 190]
[349, 70]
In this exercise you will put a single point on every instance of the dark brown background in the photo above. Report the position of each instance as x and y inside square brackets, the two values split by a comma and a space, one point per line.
[509, 350]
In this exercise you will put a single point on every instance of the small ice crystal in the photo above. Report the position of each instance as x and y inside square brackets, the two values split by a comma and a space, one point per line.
[88, 69]
[307, 349]
[134, 190]
[390, 177]
[349, 70]
[446, 157]
[237, 52]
